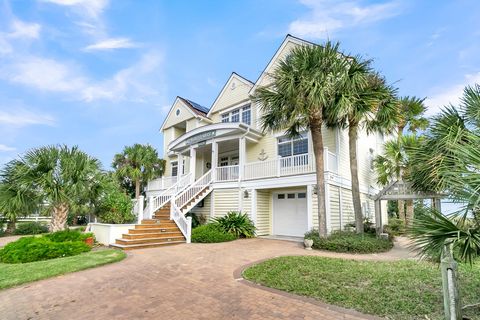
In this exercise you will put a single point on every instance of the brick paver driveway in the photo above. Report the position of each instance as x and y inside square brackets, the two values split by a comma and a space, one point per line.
[193, 281]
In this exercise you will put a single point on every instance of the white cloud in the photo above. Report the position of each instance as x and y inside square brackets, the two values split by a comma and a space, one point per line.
[450, 95]
[4, 148]
[22, 118]
[42, 74]
[328, 16]
[22, 29]
[91, 8]
[112, 43]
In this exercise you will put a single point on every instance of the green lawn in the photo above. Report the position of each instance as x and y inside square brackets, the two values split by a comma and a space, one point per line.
[397, 290]
[16, 274]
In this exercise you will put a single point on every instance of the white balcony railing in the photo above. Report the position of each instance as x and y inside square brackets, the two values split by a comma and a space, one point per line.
[162, 183]
[286, 166]
[227, 173]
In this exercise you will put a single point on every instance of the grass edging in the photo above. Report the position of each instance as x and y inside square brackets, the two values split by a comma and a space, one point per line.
[346, 284]
[17, 274]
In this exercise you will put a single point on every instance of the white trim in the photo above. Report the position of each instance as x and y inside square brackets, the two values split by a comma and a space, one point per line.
[238, 105]
[178, 100]
[253, 206]
[309, 207]
[225, 86]
[327, 208]
[340, 206]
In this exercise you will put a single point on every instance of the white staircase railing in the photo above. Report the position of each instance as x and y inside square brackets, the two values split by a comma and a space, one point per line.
[156, 202]
[192, 191]
[183, 223]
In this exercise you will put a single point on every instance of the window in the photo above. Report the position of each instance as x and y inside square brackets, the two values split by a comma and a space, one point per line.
[177, 112]
[235, 116]
[301, 195]
[246, 115]
[242, 114]
[223, 162]
[174, 168]
[280, 196]
[288, 146]
[291, 196]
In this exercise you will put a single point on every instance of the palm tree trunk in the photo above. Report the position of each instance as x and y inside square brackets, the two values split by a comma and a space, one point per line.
[59, 217]
[409, 213]
[317, 142]
[137, 188]
[352, 148]
[11, 225]
[401, 210]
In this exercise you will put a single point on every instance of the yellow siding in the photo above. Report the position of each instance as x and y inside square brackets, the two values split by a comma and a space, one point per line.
[191, 124]
[225, 200]
[347, 206]
[173, 119]
[264, 212]
[205, 210]
[247, 203]
[281, 56]
[334, 207]
[236, 91]
[267, 144]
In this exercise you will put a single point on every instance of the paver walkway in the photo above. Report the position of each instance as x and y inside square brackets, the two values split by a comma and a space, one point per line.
[193, 281]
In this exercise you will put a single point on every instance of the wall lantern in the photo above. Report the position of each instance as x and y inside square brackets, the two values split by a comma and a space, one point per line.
[245, 194]
[209, 165]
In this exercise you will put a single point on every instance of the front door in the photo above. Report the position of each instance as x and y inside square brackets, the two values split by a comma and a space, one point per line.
[290, 216]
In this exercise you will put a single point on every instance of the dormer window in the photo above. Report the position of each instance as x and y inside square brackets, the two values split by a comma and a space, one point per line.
[242, 114]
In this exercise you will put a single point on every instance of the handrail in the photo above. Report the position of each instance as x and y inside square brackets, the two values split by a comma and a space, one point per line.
[189, 193]
[183, 223]
[160, 200]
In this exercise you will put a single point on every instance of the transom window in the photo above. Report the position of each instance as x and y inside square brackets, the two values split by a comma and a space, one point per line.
[242, 114]
[292, 146]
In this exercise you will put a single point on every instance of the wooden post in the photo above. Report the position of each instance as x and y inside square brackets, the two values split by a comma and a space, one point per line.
[140, 209]
[451, 296]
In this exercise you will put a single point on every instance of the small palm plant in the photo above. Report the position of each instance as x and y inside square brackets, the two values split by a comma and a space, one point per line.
[236, 223]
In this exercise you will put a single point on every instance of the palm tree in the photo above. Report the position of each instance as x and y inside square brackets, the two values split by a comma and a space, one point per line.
[56, 177]
[410, 116]
[138, 163]
[365, 101]
[448, 161]
[395, 164]
[303, 84]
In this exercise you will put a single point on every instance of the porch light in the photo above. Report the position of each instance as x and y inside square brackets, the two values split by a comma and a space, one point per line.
[315, 189]
[245, 194]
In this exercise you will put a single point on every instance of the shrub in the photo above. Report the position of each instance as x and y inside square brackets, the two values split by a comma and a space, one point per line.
[236, 223]
[68, 235]
[115, 207]
[394, 227]
[197, 219]
[31, 228]
[29, 249]
[344, 241]
[210, 233]
[75, 219]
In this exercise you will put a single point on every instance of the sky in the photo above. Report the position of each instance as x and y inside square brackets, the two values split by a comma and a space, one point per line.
[103, 74]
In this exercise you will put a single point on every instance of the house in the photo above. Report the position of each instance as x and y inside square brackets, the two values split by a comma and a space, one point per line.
[218, 159]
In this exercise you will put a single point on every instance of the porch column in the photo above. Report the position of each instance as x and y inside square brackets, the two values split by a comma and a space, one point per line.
[310, 225]
[180, 166]
[214, 160]
[193, 162]
[242, 150]
[378, 216]
[253, 208]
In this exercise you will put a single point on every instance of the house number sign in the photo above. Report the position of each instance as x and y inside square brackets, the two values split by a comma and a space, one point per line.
[200, 137]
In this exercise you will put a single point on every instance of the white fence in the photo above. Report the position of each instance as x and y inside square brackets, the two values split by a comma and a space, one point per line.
[227, 173]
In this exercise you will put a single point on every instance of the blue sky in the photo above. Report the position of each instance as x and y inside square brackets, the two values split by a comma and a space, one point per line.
[102, 74]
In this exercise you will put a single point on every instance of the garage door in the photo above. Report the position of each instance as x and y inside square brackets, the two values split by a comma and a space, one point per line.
[290, 214]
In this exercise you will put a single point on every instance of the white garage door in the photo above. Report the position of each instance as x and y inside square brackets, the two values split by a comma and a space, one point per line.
[290, 214]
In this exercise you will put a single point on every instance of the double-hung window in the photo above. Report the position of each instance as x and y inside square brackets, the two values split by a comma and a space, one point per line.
[242, 114]
[296, 146]
[174, 168]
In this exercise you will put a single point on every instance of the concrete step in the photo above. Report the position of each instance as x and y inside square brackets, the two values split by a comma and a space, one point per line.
[152, 235]
[149, 240]
[145, 245]
[156, 225]
[154, 230]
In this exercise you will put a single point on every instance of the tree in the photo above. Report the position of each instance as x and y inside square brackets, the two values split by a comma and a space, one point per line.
[56, 177]
[138, 164]
[303, 85]
[448, 161]
[364, 102]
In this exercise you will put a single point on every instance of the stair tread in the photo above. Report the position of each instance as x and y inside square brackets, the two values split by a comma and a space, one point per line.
[151, 244]
[153, 238]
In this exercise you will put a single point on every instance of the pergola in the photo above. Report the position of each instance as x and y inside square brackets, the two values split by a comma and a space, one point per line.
[402, 190]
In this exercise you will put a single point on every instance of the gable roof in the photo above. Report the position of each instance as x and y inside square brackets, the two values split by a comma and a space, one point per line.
[233, 75]
[288, 39]
[196, 110]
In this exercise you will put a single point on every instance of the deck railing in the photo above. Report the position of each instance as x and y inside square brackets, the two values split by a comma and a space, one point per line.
[183, 223]
[162, 183]
[156, 202]
[194, 189]
[227, 173]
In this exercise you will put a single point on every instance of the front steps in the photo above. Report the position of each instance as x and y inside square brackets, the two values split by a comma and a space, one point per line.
[194, 201]
[157, 232]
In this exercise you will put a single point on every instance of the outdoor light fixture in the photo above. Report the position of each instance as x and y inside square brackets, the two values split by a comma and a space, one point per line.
[245, 194]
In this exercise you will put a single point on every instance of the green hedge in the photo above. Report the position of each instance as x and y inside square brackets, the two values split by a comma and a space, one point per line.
[54, 245]
[349, 242]
[26, 228]
[210, 233]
